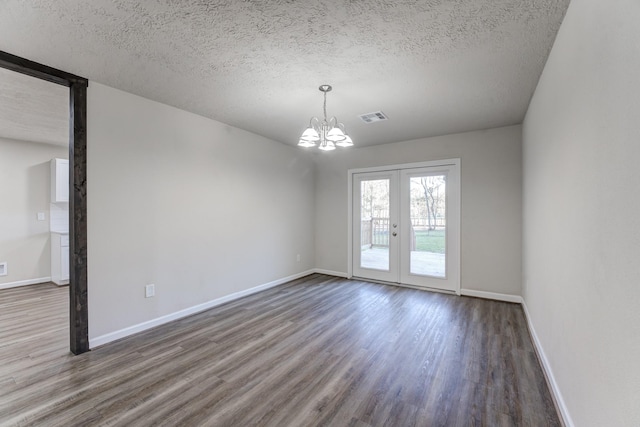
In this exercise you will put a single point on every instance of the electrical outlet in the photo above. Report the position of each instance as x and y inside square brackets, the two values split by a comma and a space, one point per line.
[298, 258]
[149, 291]
[40, 216]
[3, 269]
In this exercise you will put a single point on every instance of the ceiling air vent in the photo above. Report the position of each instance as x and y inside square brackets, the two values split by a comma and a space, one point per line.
[373, 117]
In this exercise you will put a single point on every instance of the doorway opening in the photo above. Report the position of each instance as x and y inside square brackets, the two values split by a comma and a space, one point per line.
[78, 313]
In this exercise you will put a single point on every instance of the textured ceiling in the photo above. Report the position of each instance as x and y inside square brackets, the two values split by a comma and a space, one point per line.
[433, 66]
[33, 110]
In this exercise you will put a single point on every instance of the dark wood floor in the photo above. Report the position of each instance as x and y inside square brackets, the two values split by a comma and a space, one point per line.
[317, 351]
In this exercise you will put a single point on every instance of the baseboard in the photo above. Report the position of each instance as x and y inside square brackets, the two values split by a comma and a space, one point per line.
[25, 282]
[330, 273]
[122, 333]
[468, 292]
[491, 295]
[548, 373]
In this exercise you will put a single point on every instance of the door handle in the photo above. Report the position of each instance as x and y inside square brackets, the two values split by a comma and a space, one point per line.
[394, 234]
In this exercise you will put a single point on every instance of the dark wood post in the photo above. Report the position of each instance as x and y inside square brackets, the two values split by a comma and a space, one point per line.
[79, 313]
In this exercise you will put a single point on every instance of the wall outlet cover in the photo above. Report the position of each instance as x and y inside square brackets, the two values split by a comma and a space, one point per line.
[149, 290]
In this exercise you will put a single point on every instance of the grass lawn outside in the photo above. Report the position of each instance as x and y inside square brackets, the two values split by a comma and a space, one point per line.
[430, 241]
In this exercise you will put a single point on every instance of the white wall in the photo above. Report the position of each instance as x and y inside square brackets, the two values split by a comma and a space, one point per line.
[491, 215]
[198, 208]
[582, 212]
[24, 191]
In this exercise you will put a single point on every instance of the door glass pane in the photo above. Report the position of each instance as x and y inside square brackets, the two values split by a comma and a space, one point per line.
[374, 224]
[428, 225]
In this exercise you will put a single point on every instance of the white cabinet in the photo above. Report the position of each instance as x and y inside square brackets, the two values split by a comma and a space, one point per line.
[59, 180]
[60, 258]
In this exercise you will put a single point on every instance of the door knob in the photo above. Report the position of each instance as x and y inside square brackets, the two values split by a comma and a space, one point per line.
[394, 234]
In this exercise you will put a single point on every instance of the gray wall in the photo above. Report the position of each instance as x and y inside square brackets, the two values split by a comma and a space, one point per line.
[198, 208]
[582, 212]
[491, 203]
[25, 191]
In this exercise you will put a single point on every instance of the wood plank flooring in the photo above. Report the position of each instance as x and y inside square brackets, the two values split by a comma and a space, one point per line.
[318, 351]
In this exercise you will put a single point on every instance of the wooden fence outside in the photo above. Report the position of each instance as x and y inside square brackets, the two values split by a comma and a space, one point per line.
[374, 232]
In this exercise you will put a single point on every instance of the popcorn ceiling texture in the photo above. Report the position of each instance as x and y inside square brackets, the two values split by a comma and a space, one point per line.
[33, 110]
[434, 67]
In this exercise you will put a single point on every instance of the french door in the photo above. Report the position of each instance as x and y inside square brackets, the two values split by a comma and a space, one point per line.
[405, 224]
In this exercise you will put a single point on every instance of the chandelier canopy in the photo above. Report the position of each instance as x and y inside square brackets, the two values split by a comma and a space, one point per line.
[327, 133]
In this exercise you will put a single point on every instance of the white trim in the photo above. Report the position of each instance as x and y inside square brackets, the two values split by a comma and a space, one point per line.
[392, 272]
[404, 285]
[517, 299]
[491, 295]
[331, 273]
[25, 282]
[548, 373]
[453, 163]
[451, 281]
[349, 223]
[112, 336]
[351, 172]
[427, 164]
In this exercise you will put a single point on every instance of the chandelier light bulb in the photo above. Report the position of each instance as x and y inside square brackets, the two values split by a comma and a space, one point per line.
[335, 135]
[310, 135]
[327, 146]
[346, 142]
[306, 144]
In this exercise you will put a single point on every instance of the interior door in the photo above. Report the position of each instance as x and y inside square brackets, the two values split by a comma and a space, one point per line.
[375, 226]
[405, 225]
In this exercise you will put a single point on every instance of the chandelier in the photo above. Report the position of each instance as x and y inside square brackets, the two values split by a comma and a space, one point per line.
[327, 133]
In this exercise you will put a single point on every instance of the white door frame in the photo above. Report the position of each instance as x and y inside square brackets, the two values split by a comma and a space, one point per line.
[394, 217]
[455, 163]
